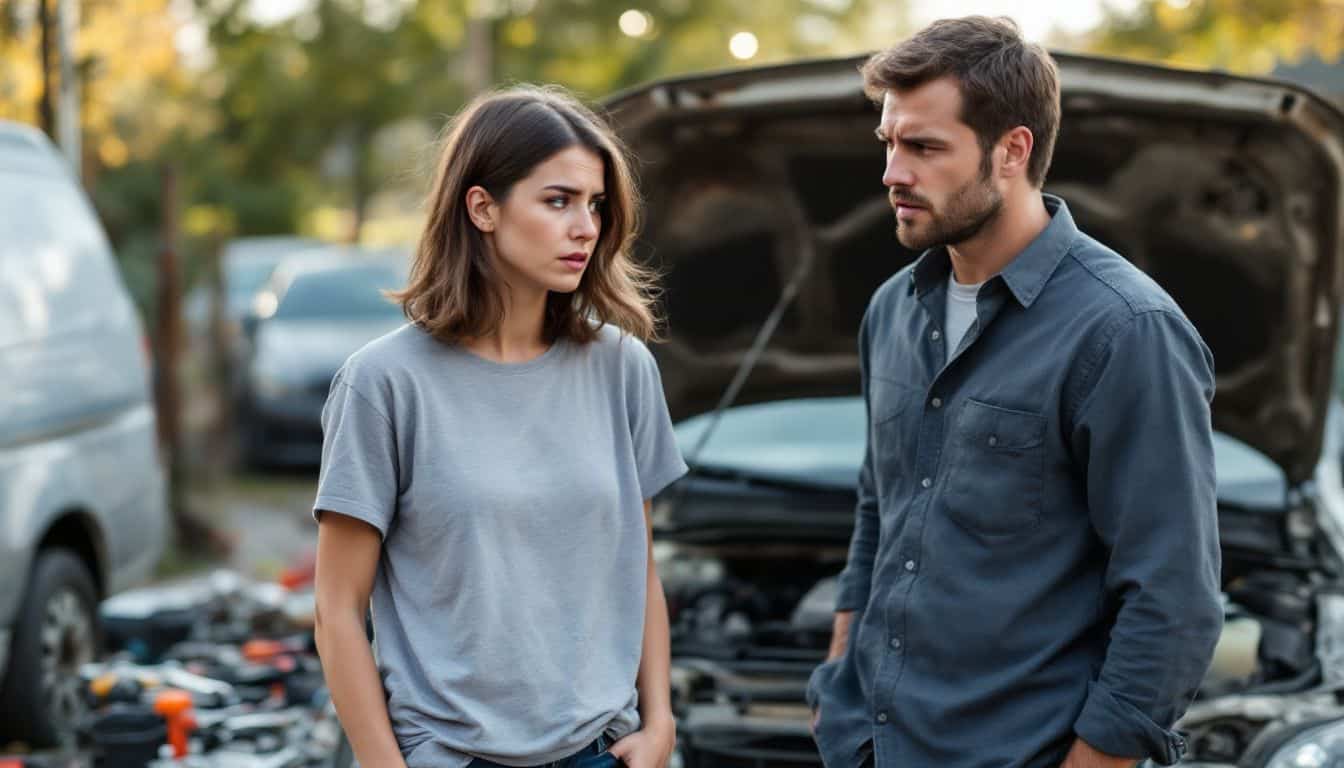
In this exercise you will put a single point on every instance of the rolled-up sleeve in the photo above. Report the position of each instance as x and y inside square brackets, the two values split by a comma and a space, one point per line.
[1142, 429]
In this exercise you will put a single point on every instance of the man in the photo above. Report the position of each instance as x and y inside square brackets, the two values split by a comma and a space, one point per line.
[1034, 574]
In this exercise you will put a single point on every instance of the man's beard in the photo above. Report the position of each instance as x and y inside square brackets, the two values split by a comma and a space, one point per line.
[970, 208]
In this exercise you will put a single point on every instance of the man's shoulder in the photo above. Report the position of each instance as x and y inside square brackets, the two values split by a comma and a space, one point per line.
[1100, 277]
[893, 290]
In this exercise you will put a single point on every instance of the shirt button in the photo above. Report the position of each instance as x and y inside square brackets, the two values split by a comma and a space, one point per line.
[937, 402]
[896, 643]
[935, 335]
[909, 565]
[926, 482]
[993, 441]
[881, 717]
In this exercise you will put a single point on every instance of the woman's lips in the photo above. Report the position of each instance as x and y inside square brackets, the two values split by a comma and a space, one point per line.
[575, 261]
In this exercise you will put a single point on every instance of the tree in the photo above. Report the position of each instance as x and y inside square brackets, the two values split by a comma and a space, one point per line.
[1246, 36]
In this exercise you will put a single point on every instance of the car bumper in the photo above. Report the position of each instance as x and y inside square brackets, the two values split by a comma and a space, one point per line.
[286, 428]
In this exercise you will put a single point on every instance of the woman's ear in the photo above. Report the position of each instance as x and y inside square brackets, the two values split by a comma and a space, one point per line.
[482, 209]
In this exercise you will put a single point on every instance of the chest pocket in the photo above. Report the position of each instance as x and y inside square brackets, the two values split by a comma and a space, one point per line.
[996, 477]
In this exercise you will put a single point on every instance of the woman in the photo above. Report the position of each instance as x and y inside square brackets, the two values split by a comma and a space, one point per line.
[484, 467]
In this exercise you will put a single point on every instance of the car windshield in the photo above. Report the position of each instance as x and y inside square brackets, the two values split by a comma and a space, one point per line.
[821, 441]
[246, 278]
[344, 292]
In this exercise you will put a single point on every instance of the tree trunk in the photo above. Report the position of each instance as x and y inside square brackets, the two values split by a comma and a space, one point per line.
[190, 533]
[360, 181]
[478, 70]
[45, 113]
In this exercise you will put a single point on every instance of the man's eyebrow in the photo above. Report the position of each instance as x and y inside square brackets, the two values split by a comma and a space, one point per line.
[931, 140]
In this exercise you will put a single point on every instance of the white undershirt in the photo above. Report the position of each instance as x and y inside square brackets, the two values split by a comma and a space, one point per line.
[960, 311]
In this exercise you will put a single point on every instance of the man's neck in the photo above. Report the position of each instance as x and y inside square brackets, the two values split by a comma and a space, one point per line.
[1021, 219]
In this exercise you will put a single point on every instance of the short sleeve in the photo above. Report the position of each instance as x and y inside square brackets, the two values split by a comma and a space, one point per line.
[658, 460]
[358, 477]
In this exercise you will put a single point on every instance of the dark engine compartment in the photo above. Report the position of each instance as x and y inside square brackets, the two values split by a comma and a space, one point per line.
[751, 594]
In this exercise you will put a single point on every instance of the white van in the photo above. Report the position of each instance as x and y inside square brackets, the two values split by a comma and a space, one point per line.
[82, 492]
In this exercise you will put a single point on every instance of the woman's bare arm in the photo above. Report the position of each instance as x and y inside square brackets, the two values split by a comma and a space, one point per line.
[651, 746]
[347, 559]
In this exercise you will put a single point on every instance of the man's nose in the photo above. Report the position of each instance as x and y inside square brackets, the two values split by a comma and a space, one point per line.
[897, 172]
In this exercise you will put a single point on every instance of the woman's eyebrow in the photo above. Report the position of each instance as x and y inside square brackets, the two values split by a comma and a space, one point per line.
[570, 190]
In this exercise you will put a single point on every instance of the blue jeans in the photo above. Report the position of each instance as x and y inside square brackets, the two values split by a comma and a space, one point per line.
[594, 755]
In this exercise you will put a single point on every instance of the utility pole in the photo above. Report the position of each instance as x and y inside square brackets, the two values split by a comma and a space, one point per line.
[67, 105]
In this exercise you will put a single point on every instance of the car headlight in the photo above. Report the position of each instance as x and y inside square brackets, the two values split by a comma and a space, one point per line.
[1321, 747]
[270, 386]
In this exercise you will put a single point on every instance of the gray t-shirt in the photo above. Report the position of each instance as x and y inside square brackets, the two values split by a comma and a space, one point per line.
[960, 312]
[508, 606]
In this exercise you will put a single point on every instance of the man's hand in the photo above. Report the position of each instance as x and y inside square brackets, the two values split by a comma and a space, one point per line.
[839, 642]
[649, 747]
[1082, 755]
[839, 634]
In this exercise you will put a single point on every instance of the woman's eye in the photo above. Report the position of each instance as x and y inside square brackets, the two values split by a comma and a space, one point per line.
[596, 205]
[557, 202]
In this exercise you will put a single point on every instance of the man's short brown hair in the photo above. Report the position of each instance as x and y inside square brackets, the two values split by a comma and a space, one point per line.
[1004, 80]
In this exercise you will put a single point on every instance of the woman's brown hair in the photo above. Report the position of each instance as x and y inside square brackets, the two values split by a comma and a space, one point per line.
[495, 141]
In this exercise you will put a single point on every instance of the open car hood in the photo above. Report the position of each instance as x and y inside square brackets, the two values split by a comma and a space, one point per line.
[1226, 190]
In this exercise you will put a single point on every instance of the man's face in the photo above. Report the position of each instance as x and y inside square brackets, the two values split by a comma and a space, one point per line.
[937, 178]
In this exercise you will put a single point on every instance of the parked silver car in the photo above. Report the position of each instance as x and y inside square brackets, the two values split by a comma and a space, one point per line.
[316, 309]
[82, 496]
[769, 220]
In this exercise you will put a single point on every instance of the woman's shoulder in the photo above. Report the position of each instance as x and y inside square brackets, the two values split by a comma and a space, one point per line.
[619, 346]
[382, 360]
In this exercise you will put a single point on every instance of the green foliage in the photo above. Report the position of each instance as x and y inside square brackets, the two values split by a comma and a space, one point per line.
[1247, 36]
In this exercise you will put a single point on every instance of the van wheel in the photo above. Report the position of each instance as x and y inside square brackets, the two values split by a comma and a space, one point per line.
[56, 632]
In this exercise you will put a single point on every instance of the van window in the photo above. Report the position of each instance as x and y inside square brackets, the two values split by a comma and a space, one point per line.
[56, 271]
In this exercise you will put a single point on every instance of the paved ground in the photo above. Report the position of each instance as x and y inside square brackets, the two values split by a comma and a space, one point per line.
[265, 516]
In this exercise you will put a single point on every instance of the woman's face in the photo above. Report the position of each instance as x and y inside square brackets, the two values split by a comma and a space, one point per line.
[545, 230]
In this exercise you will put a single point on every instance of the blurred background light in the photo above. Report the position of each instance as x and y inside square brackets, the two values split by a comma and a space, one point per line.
[743, 46]
[635, 23]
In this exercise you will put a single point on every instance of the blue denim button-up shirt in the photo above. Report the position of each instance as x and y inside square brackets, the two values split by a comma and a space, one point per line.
[1035, 555]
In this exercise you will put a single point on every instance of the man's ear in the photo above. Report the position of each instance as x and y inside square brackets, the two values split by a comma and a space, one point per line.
[482, 209]
[1015, 148]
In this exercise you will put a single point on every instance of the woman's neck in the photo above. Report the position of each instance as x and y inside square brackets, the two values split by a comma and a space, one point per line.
[521, 333]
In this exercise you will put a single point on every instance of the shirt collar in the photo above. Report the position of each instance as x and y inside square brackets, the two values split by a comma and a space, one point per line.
[1027, 273]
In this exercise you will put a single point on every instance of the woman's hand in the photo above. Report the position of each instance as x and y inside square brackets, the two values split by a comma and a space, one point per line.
[649, 747]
